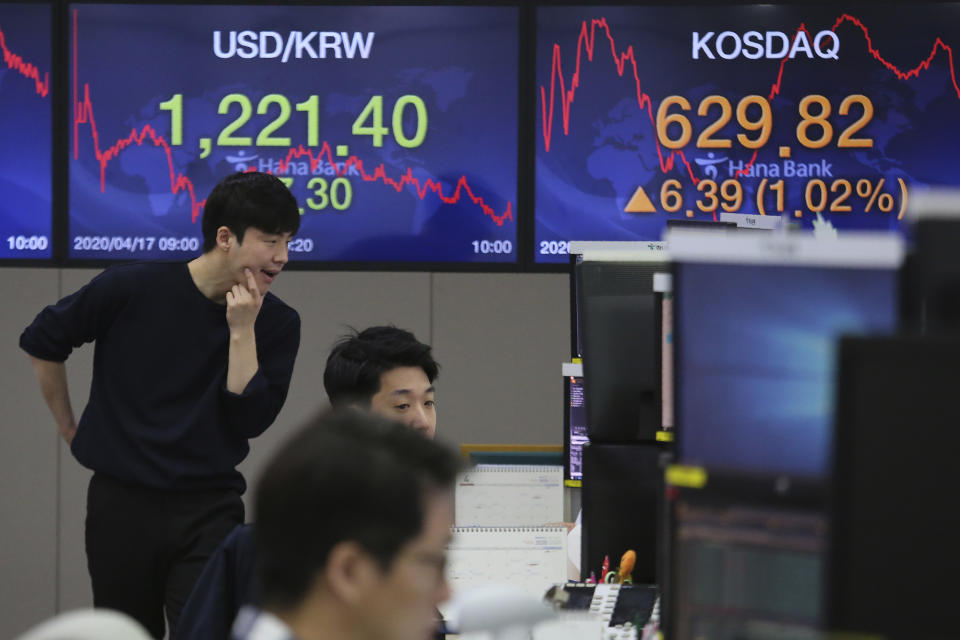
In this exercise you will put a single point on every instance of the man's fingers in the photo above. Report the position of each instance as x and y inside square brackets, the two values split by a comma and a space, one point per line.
[236, 294]
[251, 283]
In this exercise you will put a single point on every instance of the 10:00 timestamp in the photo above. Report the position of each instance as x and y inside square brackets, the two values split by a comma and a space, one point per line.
[28, 243]
[487, 247]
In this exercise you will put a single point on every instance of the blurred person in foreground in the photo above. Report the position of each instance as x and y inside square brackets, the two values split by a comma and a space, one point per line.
[353, 520]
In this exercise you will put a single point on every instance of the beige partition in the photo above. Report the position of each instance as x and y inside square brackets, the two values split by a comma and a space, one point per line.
[28, 462]
[500, 339]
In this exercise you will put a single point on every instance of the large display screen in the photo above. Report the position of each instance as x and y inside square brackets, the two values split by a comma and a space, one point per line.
[829, 115]
[395, 127]
[25, 131]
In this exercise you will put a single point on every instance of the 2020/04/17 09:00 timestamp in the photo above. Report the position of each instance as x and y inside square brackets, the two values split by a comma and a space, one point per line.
[134, 244]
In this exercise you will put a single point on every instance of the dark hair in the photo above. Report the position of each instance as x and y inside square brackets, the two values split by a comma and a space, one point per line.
[357, 361]
[249, 199]
[347, 476]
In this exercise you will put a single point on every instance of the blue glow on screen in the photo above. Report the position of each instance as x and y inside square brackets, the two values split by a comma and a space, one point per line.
[603, 72]
[399, 139]
[755, 356]
[26, 210]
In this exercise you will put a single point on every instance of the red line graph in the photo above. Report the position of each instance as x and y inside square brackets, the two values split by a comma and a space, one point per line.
[900, 74]
[24, 68]
[407, 178]
[903, 75]
[83, 114]
[587, 40]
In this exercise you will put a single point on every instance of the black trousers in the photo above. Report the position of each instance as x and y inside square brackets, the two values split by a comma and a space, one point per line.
[146, 547]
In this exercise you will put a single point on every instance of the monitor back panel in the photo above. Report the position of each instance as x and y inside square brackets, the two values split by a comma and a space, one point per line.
[619, 331]
[894, 562]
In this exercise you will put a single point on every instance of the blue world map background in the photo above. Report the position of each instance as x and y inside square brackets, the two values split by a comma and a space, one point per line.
[25, 131]
[586, 179]
[439, 54]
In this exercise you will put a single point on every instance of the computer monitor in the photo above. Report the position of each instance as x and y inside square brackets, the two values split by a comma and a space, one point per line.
[893, 560]
[621, 496]
[748, 562]
[575, 435]
[933, 282]
[756, 317]
[619, 329]
[930, 295]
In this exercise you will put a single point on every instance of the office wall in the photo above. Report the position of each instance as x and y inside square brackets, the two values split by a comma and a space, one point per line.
[28, 462]
[500, 339]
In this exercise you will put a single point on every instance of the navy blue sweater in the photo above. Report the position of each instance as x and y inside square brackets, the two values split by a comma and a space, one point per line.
[159, 413]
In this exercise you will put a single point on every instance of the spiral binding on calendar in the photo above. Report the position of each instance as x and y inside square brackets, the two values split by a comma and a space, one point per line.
[516, 468]
[540, 529]
[509, 496]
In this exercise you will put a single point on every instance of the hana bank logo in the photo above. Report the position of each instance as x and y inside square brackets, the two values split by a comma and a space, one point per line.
[709, 165]
[241, 161]
[770, 45]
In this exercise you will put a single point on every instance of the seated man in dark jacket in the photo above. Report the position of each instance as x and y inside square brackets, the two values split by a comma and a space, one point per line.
[385, 370]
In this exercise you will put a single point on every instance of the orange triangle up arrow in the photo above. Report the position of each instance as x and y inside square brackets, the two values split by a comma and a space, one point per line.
[640, 203]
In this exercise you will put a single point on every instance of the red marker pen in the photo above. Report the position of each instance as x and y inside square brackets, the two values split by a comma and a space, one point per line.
[605, 569]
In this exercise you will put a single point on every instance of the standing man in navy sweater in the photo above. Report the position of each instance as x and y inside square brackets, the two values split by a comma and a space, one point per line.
[190, 361]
